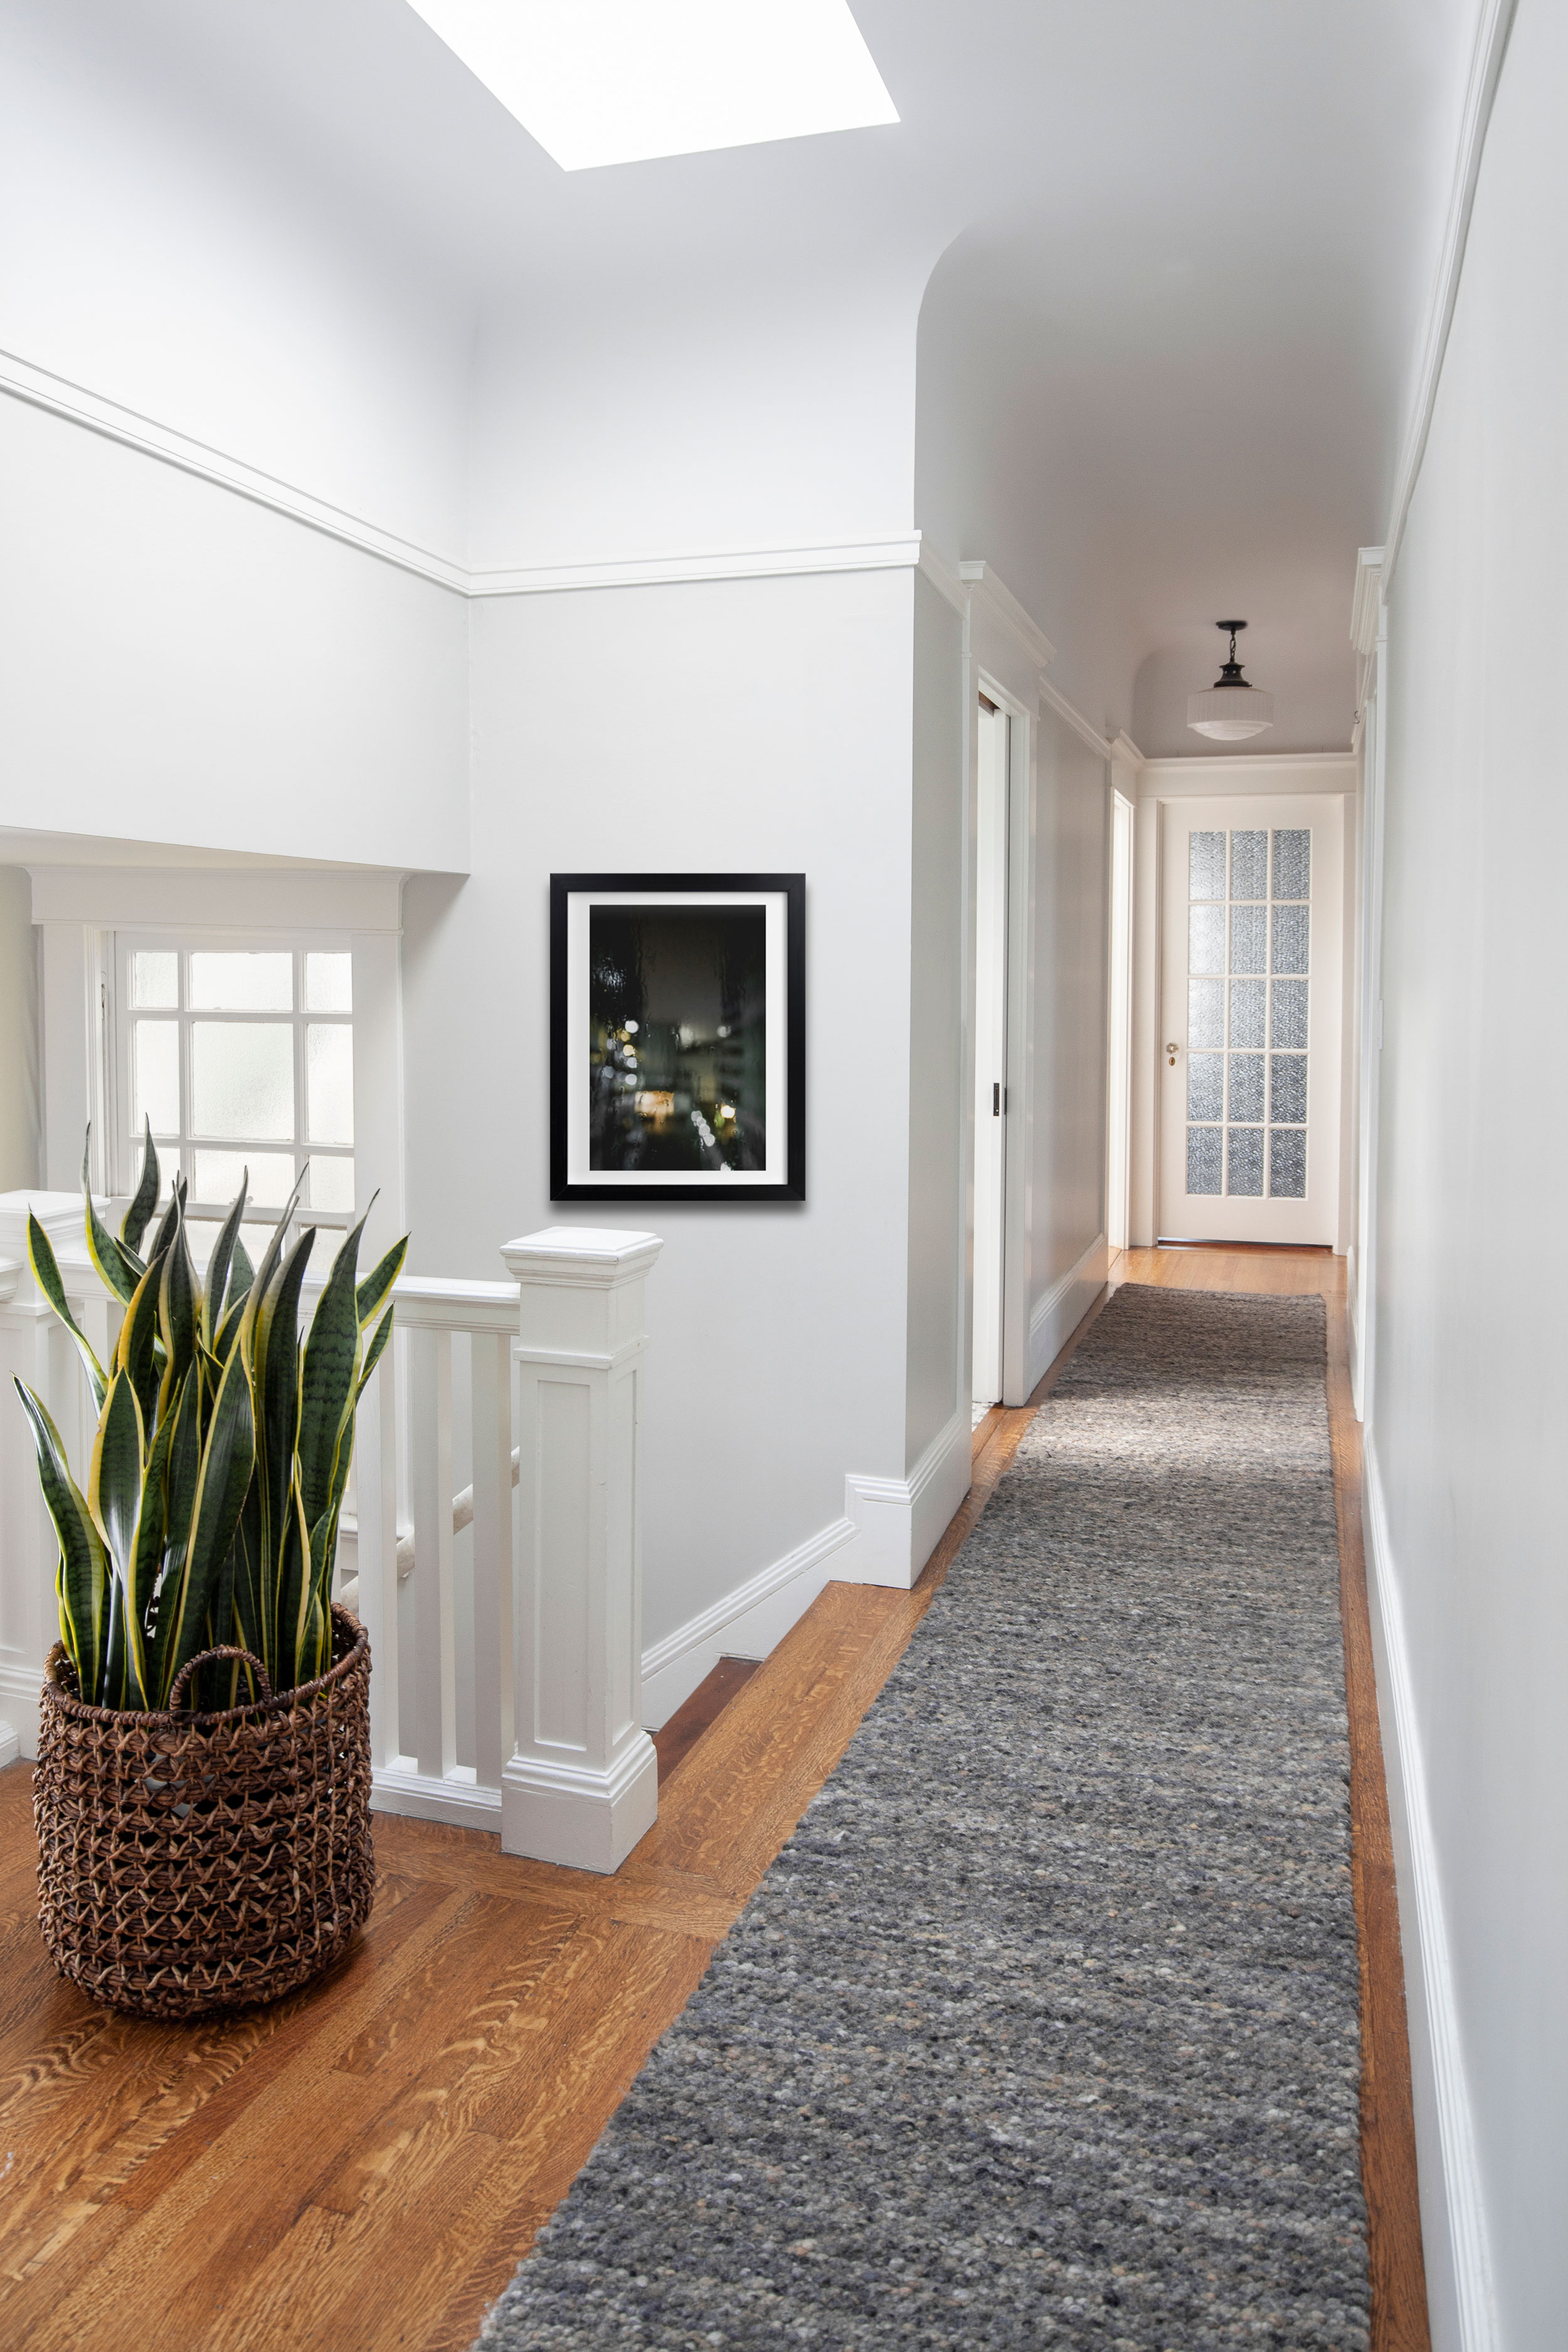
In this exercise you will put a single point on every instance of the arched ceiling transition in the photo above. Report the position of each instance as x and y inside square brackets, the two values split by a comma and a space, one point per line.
[1174, 257]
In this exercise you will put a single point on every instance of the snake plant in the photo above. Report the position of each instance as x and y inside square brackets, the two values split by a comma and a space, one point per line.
[221, 1455]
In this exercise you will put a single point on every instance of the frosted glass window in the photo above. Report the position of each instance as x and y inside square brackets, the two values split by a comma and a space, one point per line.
[1248, 1012]
[217, 1175]
[1203, 1159]
[1205, 1013]
[1246, 1086]
[155, 978]
[1290, 939]
[1205, 939]
[1287, 1026]
[330, 1057]
[1293, 863]
[1245, 1156]
[242, 1078]
[1249, 865]
[1288, 1163]
[1206, 866]
[1250, 939]
[328, 984]
[1206, 1086]
[1288, 1089]
[156, 1053]
[233, 981]
[332, 1183]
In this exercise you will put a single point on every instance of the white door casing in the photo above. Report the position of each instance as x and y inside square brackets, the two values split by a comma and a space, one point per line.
[990, 1048]
[1252, 981]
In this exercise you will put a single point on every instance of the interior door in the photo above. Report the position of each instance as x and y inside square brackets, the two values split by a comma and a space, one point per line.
[1251, 995]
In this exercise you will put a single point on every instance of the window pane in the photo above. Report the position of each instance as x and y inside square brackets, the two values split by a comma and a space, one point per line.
[156, 977]
[1288, 1163]
[1244, 1154]
[242, 1078]
[1289, 1024]
[1205, 939]
[1246, 1086]
[1290, 939]
[1288, 1089]
[1249, 865]
[328, 984]
[156, 1056]
[1293, 863]
[238, 982]
[1206, 1086]
[1205, 1013]
[332, 1183]
[330, 1055]
[1202, 1159]
[1205, 868]
[1248, 938]
[1247, 999]
[217, 1176]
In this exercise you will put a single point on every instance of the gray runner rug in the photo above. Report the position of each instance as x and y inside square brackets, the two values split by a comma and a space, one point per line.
[1043, 2028]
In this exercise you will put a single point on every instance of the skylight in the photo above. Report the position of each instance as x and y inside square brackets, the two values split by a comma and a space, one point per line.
[617, 81]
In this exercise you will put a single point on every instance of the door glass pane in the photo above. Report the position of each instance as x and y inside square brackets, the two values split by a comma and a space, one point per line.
[1205, 1013]
[1246, 1086]
[1288, 1089]
[1290, 939]
[332, 1183]
[1206, 1086]
[330, 1055]
[1288, 1163]
[217, 1176]
[156, 1053]
[238, 982]
[1249, 865]
[1287, 1025]
[1203, 1159]
[156, 977]
[1245, 1156]
[1206, 866]
[242, 1078]
[1205, 939]
[1250, 939]
[1248, 1011]
[328, 984]
[1293, 863]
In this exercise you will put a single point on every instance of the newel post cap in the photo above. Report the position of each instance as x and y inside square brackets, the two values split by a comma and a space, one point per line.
[581, 1257]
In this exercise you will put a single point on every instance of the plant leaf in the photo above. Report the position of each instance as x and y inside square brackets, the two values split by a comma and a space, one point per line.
[372, 1354]
[218, 1264]
[227, 1462]
[380, 1278]
[241, 1272]
[119, 1269]
[133, 1224]
[135, 1351]
[41, 1257]
[179, 1304]
[82, 1582]
[329, 1379]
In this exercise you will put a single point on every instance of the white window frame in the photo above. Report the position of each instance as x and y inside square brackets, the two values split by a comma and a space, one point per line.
[126, 1153]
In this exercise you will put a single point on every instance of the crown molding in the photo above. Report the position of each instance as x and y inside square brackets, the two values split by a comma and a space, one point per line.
[1366, 599]
[1057, 701]
[1493, 23]
[902, 553]
[999, 602]
[1126, 752]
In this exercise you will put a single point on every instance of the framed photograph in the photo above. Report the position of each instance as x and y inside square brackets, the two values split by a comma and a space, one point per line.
[677, 1036]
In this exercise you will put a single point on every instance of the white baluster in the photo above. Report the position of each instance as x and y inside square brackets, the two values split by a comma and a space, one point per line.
[582, 1787]
[492, 1555]
[375, 1479]
[435, 1662]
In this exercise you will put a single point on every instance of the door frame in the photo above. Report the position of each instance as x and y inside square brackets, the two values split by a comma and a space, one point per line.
[1279, 774]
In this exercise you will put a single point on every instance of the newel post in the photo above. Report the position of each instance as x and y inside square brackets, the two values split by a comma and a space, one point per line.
[582, 1785]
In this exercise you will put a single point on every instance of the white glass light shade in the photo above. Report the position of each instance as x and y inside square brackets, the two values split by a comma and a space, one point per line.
[1229, 714]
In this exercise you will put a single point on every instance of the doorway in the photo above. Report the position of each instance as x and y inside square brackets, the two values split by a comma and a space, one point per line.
[1119, 1072]
[990, 1173]
[1250, 1016]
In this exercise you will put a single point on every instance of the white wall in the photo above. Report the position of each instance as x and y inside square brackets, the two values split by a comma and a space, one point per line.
[19, 1122]
[1470, 1397]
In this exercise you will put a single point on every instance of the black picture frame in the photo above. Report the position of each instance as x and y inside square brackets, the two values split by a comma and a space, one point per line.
[703, 1189]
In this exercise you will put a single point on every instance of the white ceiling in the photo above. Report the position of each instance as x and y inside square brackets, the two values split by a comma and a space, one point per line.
[1181, 251]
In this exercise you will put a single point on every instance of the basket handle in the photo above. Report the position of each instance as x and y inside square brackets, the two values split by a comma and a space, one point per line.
[203, 1658]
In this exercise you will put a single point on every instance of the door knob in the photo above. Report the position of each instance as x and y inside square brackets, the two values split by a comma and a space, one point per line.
[1173, 1049]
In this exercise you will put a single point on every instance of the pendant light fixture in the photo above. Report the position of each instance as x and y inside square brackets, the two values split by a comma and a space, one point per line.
[1231, 709]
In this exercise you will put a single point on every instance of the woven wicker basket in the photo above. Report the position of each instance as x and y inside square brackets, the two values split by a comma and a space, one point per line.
[197, 1862]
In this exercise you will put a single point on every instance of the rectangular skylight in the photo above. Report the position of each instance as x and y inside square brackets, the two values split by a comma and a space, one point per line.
[617, 81]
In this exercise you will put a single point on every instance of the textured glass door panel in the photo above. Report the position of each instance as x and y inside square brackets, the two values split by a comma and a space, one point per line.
[1206, 1086]
[242, 1079]
[332, 1183]
[1206, 866]
[1288, 1163]
[1244, 1155]
[329, 984]
[217, 1176]
[1250, 939]
[1248, 1012]
[1249, 865]
[1288, 1089]
[1287, 1025]
[1205, 939]
[331, 1057]
[1246, 1087]
[1290, 938]
[1205, 1013]
[1292, 863]
[229, 981]
[155, 978]
[1204, 1163]
[155, 1055]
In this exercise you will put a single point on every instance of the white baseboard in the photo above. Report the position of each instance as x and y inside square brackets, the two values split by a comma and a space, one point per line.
[1453, 2213]
[19, 1687]
[399, 1790]
[1059, 1310]
[746, 1624]
[10, 1746]
[897, 1522]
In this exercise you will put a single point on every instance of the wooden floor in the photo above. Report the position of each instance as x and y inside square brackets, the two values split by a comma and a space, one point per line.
[362, 2166]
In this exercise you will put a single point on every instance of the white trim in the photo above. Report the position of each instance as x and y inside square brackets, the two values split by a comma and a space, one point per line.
[10, 1744]
[943, 577]
[393, 1790]
[1203, 776]
[1002, 606]
[21, 1688]
[748, 1622]
[1430, 1991]
[900, 554]
[1125, 753]
[897, 1522]
[280, 899]
[767, 1580]
[1366, 599]
[1092, 735]
[1058, 1312]
[1493, 23]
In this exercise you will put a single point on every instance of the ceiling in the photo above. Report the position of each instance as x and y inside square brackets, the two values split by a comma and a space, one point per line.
[1175, 254]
